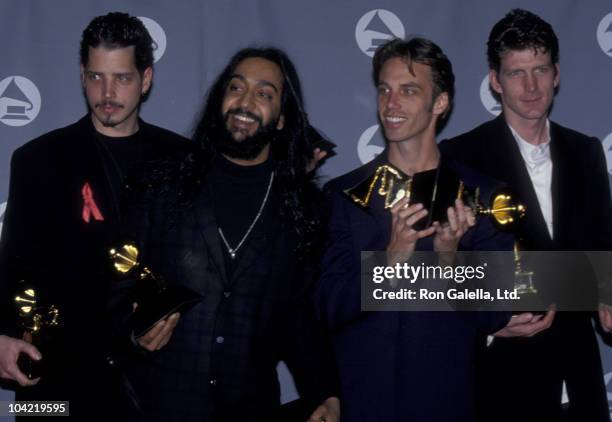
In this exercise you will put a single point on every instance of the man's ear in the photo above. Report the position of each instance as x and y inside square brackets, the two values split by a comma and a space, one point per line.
[83, 76]
[147, 79]
[441, 104]
[557, 74]
[281, 122]
[494, 81]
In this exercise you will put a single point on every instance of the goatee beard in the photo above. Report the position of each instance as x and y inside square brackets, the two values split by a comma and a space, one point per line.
[247, 149]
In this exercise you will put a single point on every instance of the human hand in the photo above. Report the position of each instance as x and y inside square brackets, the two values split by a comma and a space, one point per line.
[448, 235]
[159, 335]
[403, 237]
[11, 349]
[328, 411]
[605, 317]
[527, 324]
[317, 155]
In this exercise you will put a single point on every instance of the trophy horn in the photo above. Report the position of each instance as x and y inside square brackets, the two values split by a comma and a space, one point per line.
[125, 261]
[387, 181]
[26, 301]
[504, 208]
[125, 258]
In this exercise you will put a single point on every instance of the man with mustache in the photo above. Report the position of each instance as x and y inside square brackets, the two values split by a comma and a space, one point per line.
[561, 177]
[63, 214]
[236, 220]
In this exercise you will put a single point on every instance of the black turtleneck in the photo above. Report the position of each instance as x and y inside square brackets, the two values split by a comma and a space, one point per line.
[238, 192]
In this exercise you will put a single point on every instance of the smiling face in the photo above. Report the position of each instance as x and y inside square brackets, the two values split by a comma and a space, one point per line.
[406, 107]
[526, 83]
[252, 99]
[113, 87]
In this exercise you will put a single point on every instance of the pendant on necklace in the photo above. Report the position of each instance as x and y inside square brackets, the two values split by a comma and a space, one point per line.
[232, 253]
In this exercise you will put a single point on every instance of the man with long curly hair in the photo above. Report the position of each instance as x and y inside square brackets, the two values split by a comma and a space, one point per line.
[236, 221]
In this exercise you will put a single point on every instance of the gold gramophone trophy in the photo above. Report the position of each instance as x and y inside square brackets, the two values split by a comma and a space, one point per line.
[523, 278]
[437, 190]
[39, 324]
[155, 297]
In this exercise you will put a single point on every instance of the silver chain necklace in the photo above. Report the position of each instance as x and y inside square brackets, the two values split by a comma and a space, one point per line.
[233, 251]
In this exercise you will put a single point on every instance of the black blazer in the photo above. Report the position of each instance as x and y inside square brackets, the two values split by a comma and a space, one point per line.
[398, 366]
[582, 214]
[582, 220]
[46, 241]
[220, 363]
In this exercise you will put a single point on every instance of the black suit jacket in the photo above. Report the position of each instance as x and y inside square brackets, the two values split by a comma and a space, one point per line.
[582, 220]
[47, 242]
[398, 366]
[582, 215]
[220, 363]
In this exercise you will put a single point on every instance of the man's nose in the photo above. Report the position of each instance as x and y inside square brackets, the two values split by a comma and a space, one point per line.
[247, 100]
[531, 82]
[108, 89]
[393, 102]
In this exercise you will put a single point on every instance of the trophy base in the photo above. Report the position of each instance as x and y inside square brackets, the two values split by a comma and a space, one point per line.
[31, 368]
[154, 308]
[530, 302]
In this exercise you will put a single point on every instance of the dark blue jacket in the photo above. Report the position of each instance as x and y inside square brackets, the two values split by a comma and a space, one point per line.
[398, 366]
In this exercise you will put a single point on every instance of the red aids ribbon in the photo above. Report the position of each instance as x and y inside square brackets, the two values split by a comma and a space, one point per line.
[89, 205]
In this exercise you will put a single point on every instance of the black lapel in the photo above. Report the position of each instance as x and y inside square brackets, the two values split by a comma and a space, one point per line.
[510, 161]
[205, 217]
[564, 182]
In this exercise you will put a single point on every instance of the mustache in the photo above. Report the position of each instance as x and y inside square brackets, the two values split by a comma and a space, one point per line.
[109, 103]
[244, 112]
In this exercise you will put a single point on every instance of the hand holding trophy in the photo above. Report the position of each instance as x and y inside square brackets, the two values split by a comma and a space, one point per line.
[156, 299]
[39, 324]
[436, 190]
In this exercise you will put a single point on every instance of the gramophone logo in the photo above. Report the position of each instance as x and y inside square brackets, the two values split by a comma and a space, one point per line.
[604, 34]
[370, 144]
[377, 27]
[488, 100]
[158, 35]
[607, 146]
[2, 210]
[19, 101]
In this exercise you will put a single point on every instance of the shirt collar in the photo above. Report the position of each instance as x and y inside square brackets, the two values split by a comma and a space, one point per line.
[533, 154]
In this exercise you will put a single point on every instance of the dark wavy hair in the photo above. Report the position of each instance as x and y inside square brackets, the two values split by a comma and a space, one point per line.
[520, 30]
[423, 51]
[290, 149]
[118, 30]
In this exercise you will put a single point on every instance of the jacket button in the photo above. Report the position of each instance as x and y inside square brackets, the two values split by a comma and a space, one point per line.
[220, 339]
[227, 294]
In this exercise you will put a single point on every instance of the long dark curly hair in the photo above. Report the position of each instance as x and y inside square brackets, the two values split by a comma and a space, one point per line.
[290, 148]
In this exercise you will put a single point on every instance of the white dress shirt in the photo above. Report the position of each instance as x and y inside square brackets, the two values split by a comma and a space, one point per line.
[539, 166]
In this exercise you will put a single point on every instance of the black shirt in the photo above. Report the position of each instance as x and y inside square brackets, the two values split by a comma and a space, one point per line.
[238, 192]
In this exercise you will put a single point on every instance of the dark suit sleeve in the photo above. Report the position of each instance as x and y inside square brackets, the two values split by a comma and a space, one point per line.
[600, 185]
[338, 293]
[486, 238]
[308, 353]
[24, 248]
[602, 211]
